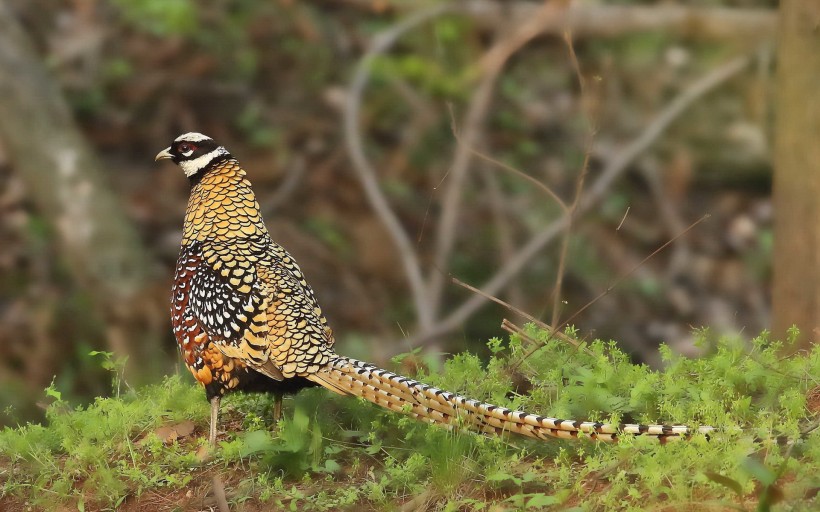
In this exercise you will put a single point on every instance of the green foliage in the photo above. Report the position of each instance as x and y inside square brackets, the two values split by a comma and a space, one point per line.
[106, 446]
[252, 122]
[432, 77]
[115, 365]
[334, 453]
[437, 61]
[161, 17]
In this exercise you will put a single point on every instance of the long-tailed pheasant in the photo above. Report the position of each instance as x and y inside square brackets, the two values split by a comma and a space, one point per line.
[245, 318]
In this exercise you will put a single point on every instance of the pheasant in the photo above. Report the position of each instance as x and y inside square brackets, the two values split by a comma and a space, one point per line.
[245, 318]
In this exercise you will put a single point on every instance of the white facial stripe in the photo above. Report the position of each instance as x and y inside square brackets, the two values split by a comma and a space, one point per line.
[192, 137]
[191, 167]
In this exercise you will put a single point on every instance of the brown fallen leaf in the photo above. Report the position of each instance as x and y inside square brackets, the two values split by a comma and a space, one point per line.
[170, 433]
[204, 453]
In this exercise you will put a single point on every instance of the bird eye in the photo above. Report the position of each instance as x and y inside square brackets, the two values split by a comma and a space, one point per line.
[186, 148]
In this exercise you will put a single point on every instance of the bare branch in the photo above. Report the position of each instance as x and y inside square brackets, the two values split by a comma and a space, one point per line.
[579, 183]
[367, 174]
[514, 329]
[523, 175]
[582, 21]
[659, 125]
[491, 64]
[587, 20]
[595, 193]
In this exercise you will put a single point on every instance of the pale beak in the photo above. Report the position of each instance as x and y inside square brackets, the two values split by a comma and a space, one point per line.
[165, 154]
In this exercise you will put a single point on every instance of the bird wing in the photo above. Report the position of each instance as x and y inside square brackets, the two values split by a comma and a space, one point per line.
[299, 338]
[230, 302]
[252, 300]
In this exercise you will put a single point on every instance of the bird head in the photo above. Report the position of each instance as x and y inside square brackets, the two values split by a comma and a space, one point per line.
[193, 152]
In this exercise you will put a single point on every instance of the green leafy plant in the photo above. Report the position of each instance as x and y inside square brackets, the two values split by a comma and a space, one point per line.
[116, 365]
[333, 453]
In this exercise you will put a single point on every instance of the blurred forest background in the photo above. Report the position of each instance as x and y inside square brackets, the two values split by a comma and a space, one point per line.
[391, 145]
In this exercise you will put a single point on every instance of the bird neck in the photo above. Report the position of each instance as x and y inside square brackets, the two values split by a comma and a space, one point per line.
[222, 205]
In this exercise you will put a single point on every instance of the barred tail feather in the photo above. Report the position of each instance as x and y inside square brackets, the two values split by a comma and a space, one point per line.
[348, 376]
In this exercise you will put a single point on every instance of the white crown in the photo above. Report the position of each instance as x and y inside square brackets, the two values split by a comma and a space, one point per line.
[192, 137]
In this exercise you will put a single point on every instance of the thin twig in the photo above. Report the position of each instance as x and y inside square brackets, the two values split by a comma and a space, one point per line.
[636, 267]
[520, 174]
[492, 63]
[514, 329]
[623, 219]
[617, 282]
[511, 328]
[579, 185]
[521, 313]
[512, 308]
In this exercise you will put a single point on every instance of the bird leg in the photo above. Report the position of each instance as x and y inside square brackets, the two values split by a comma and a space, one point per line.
[214, 420]
[277, 407]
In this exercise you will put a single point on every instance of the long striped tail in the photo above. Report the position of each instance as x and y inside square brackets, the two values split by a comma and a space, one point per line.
[347, 376]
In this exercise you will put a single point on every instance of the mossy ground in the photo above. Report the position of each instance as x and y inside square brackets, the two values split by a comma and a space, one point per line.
[145, 450]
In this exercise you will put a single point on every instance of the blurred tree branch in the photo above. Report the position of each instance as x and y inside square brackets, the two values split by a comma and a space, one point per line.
[492, 63]
[553, 19]
[68, 186]
[366, 173]
[427, 296]
[585, 20]
[596, 192]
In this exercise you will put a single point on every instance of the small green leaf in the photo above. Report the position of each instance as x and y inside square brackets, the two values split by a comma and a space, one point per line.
[542, 500]
[256, 442]
[725, 481]
[760, 472]
[53, 393]
[331, 466]
[500, 476]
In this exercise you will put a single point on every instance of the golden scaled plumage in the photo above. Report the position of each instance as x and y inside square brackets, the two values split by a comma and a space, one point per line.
[246, 293]
[222, 206]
